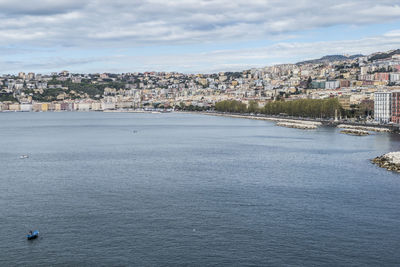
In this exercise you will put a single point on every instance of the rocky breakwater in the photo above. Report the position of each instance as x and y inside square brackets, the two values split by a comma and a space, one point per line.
[360, 130]
[363, 128]
[354, 132]
[304, 122]
[290, 123]
[297, 125]
[389, 161]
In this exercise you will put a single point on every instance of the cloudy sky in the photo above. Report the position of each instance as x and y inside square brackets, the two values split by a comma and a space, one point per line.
[188, 36]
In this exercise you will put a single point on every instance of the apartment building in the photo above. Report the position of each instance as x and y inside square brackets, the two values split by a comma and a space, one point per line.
[382, 107]
[396, 107]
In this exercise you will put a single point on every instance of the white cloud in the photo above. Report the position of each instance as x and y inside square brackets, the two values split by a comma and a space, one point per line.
[126, 22]
[68, 28]
[210, 61]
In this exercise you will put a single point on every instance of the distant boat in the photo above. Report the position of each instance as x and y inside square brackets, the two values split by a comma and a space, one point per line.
[32, 235]
[24, 157]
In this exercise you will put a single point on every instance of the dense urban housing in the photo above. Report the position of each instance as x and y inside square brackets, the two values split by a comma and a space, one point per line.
[365, 86]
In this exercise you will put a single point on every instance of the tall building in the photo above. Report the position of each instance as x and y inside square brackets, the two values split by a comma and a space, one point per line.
[396, 107]
[31, 76]
[383, 106]
[21, 75]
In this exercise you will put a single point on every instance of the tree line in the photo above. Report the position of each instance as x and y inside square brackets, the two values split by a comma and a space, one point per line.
[313, 108]
[233, 106]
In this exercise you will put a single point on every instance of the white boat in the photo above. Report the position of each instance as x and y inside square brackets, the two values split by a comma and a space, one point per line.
[24, 157]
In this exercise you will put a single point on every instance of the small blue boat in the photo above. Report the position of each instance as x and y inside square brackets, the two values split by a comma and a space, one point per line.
[32, 235]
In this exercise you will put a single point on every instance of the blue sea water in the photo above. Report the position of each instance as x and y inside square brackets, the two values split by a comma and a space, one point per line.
[124, 189]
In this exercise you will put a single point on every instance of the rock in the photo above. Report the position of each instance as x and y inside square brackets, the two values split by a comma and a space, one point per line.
[365, 128]
[297, 125]
[389, 161]
[354, 132]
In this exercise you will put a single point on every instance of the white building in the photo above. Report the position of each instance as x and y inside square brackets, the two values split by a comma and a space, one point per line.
[382, 106]
[332, 84]
[394, 77]
[96, 106]
[84, 106]
[107, 105]
[26, 107]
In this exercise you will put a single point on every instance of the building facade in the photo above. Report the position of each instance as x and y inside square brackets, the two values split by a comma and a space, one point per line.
[332, 84]
[383, 107]
[396, 107]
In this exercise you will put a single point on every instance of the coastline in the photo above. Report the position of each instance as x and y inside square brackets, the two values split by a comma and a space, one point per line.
[284, 121]
[307, 121]
[259, 117]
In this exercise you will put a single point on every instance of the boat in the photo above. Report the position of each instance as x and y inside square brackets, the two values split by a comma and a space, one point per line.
[24, 157]
[32, 235]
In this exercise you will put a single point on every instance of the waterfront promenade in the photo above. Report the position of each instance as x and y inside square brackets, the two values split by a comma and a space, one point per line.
[324, 122]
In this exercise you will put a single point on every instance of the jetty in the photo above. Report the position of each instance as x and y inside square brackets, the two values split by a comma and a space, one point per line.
[304, 126]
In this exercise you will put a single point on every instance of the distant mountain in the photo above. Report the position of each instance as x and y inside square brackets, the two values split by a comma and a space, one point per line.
[329, 58]
[383, 55]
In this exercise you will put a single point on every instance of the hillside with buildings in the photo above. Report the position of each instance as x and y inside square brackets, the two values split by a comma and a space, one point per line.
[355, 81]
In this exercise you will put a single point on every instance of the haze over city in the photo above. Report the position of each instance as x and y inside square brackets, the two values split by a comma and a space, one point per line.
[188, 36]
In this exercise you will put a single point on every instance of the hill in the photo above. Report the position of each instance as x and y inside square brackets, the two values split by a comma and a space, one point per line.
[383, 55]
[329, 58]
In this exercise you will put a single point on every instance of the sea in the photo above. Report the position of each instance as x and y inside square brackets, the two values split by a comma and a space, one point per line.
[174, 189]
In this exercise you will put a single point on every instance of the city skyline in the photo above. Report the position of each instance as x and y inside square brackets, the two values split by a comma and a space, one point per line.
[188, 36]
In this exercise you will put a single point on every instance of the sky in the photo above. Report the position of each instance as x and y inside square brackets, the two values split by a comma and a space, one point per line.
[189, 36]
